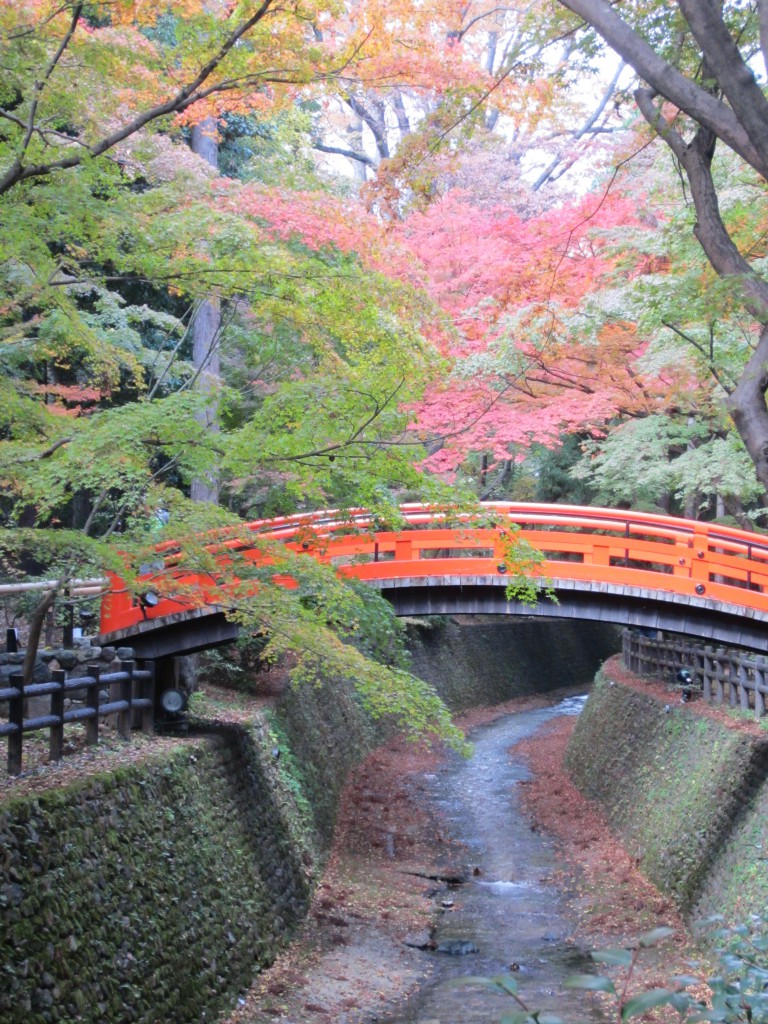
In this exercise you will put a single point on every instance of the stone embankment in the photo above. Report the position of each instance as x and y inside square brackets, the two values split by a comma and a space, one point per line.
[684, 786]
[73, 661]
[156, 890]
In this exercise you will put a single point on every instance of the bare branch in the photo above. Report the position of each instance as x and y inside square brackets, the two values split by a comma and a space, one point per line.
[350, 154]
[589, 127]
[706, 352]
[54, 447]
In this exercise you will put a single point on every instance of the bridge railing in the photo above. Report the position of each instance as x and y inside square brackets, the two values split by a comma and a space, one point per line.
[685, 558]
[131, 701]
[719, 675]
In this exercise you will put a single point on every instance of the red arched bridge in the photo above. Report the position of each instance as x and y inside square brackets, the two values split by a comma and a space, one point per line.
[640, 569]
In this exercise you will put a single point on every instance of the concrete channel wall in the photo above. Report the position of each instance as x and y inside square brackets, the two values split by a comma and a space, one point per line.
[156, 891]
[687, 795]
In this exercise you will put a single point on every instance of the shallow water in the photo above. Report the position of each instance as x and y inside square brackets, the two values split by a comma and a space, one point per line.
[510, 911]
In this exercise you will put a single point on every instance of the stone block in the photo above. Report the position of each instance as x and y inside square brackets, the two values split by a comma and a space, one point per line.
[40, 674]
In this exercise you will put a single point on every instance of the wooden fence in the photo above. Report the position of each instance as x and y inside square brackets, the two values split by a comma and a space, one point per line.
[721, 675]
[131, 700]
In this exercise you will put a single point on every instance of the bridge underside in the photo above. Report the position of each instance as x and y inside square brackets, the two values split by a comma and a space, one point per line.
[698, 618]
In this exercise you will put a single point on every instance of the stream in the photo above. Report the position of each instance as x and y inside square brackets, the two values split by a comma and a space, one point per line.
[509, 915]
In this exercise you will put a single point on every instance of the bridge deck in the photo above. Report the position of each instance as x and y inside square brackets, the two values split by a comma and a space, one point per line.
[632, 566]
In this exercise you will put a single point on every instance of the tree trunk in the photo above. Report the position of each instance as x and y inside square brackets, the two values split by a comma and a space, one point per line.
[206, 328]
[746, 404]
[36, 623]
[742, 125]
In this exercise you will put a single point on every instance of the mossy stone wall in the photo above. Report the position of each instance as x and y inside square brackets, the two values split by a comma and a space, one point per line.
[737, 883]
[156, 892]
[151, 893]
[477, 660]
[326, 734]
[683, 792]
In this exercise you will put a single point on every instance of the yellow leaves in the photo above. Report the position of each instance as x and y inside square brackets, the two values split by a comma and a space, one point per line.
[214, 107]
[146, 12]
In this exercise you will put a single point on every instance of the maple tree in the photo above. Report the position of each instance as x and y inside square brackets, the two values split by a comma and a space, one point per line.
[112, 237]
[697, 63]
[536, 354]
[340, 320]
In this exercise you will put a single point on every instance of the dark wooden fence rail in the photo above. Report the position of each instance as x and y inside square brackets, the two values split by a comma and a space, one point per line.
[131, 700]
[722, 675]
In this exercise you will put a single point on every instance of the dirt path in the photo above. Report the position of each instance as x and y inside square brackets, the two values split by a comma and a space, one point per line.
[350, 962]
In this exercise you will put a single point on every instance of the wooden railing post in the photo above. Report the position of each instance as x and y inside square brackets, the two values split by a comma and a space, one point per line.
[699, 669]
[699, 564]
[733, 679]
[719, 676]
[759, 686]
[56, 735]
[16, 717]
[148, 693]
[404, 550]
[598, 553]
[708, 673]
[126, 693]
[744, 687]
[92, 701]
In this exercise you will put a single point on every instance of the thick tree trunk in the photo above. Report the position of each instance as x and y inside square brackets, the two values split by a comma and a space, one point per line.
[205, 330]
[742, 124]
[746, 404]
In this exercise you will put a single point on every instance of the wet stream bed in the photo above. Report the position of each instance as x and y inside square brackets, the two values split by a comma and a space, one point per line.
[508, 917]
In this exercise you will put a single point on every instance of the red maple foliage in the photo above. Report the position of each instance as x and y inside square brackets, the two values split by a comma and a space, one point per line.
[533, 359]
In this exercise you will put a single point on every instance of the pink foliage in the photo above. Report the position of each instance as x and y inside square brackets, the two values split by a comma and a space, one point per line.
[320, 220]
[517, 285]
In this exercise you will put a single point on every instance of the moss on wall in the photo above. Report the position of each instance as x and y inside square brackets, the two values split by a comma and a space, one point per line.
[151, 893]
[676, 787]
[736, 884]
[155, 892]
[327, 733]
[477, 660]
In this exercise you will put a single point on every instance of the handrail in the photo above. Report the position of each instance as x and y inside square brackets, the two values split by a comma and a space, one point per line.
[687, 559]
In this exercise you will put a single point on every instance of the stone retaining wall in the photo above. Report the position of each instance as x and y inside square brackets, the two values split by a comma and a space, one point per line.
[151, 893]
[154, 893]
[687, 795]
[476, 660]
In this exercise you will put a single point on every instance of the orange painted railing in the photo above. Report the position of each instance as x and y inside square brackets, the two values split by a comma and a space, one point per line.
[671, 556]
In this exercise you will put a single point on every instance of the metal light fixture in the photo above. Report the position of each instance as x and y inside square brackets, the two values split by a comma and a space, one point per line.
[501, 567]
[173, 702]
[149, 599]
[685, 680]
